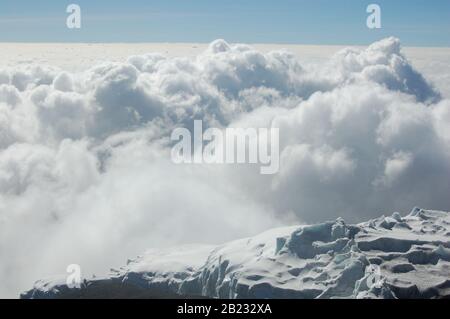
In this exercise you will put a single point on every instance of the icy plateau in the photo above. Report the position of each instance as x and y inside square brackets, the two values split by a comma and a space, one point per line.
[387, 257]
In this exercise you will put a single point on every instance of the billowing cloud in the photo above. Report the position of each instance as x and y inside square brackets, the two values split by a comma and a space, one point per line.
[85, 169]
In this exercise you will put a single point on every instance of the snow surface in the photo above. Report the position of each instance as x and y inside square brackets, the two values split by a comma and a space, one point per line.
[387, 257]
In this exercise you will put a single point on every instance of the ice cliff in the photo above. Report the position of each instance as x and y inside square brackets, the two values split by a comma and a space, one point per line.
[387, 257]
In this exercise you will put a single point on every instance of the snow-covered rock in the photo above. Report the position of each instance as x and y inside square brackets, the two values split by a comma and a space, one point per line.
[388, 257]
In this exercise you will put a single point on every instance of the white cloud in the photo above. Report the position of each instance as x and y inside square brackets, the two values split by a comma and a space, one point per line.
[86, 176]
[395, 167]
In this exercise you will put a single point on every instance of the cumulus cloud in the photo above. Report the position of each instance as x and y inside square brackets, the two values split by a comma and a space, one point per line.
[85, 169]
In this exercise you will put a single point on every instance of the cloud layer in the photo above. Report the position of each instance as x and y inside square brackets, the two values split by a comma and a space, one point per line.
[85, 169]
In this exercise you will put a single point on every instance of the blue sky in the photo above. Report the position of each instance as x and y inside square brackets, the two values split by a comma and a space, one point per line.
[415, 22]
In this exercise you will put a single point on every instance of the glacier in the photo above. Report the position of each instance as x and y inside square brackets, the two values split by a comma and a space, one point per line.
[387, 257]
